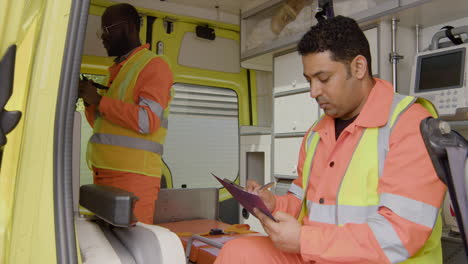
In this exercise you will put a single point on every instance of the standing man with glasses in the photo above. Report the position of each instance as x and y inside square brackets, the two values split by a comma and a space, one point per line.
[129, 119]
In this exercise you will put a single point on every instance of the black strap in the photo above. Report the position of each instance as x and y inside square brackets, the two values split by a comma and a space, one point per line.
[326, 12]
[449, 34]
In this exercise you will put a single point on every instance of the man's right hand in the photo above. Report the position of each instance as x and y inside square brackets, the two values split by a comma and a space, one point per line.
[267, 196]
[88, 92]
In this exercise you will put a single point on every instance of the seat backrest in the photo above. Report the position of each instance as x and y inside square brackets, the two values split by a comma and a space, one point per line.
[449, 151]
[175, 205]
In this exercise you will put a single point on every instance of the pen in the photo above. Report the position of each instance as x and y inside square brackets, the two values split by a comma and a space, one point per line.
[266, 186]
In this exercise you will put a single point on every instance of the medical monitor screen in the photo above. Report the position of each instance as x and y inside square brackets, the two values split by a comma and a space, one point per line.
[442, 70]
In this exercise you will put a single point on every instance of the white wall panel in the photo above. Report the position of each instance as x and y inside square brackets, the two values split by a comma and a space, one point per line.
[372, 35]
[220, 54]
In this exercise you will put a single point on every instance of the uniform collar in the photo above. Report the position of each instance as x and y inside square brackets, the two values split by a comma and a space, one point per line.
[122, 59]
[375, 111]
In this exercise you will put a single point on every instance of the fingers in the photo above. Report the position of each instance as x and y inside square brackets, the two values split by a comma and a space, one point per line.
[266, 220]
[252, 186]
[268, 225]
[283, 217]
[268, 198]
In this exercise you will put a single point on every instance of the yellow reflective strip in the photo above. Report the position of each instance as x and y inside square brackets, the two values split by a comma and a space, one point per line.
[136, 63]
[224, 195]
[400, 107]
[428, 105]
[310, 150]
[356, 188]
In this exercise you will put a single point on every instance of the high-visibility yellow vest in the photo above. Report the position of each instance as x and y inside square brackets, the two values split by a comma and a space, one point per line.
[357, 201]
[117, 148]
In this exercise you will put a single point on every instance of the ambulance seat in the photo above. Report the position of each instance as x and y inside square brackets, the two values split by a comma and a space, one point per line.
[449, 151]
[193, 215]
[112, 236]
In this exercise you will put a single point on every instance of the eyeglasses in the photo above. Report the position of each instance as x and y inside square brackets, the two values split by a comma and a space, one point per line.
[106, 30]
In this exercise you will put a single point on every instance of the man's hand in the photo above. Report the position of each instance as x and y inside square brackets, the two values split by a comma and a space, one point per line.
[88, 92]
[285, 234]
[268, 198]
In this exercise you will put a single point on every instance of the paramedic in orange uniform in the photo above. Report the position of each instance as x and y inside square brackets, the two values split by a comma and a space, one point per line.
[372, 193]
[129, 119]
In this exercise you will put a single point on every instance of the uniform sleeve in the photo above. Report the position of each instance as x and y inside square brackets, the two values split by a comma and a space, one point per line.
[291, 202]
[410, 198]
[151, 97]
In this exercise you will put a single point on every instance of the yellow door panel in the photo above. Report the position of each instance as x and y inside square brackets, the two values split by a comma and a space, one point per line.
[27, 233]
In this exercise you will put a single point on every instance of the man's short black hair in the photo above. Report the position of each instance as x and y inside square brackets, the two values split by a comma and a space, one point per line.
[128, 13]
[341, 36]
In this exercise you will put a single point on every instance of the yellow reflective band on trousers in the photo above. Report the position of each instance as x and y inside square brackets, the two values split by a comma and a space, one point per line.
[117, 148]
[358, 199]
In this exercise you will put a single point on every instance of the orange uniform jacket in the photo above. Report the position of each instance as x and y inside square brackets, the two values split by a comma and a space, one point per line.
[153, 83]
[408, 172]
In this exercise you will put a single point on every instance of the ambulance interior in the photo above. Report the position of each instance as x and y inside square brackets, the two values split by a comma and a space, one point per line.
[242, 106]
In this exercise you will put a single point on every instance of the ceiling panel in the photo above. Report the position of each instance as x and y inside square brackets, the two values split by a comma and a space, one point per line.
[230, 6]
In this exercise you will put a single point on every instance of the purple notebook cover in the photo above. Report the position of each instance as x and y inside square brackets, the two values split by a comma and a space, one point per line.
[248, 200]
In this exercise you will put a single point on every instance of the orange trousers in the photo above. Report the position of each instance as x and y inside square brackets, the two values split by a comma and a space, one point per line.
[146, 188]
[255, 250]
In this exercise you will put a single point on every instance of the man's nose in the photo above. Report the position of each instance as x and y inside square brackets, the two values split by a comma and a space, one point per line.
[315, 90]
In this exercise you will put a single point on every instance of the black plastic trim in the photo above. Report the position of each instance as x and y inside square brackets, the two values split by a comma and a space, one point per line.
[149, 29]
[8, 119]
[65, 239]
[249, 88]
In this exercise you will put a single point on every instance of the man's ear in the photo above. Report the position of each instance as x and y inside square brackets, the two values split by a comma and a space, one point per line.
[359, 67]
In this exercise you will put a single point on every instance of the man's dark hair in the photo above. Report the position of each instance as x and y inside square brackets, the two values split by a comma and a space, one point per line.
[129, 13]
[341, 36]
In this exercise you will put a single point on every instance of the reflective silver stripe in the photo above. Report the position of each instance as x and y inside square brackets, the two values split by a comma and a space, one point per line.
[346, 213]
[388, 239]
[297, 191]
[412, 210]
[321, 213]
[309, 140]
[384, 133]
[127, 142]
[143, 121]
[402, 111]
[155, 107]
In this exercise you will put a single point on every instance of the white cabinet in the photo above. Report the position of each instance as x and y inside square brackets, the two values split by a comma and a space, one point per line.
[255, 163]
[294, 112]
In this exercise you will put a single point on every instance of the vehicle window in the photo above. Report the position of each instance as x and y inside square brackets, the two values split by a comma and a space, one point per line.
[203, 136]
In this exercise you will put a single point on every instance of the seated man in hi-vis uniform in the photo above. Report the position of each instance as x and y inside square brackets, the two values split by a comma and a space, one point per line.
[367, 191]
